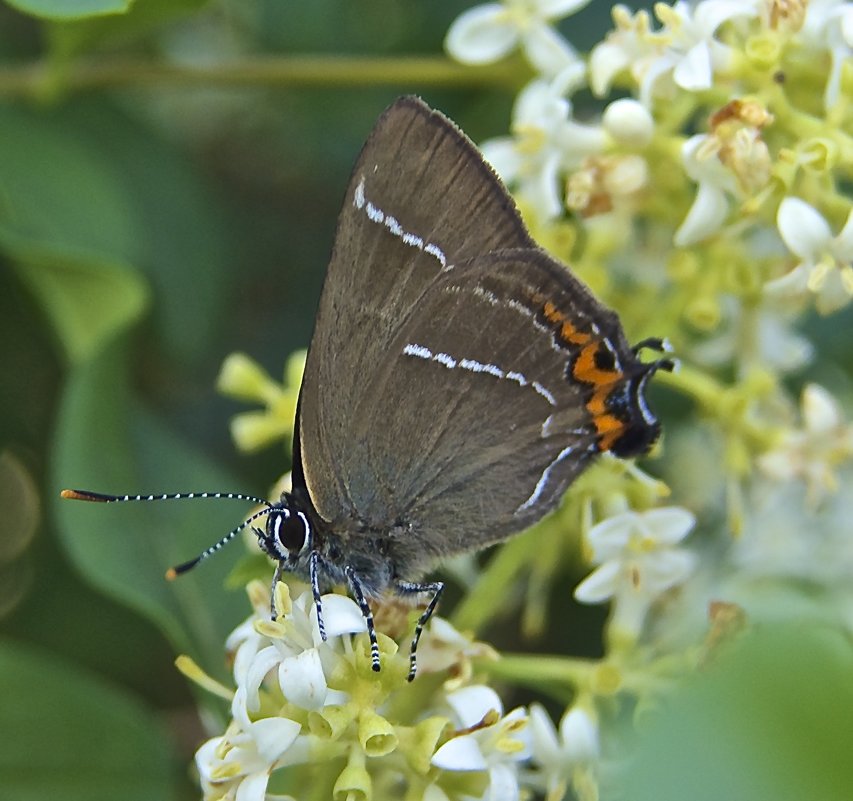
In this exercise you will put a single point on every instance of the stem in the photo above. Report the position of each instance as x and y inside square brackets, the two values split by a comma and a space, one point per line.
[31, 80]
[563, 677]
[709, 394]
[492, 593]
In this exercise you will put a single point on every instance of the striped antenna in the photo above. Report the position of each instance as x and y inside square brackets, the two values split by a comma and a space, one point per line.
[174, 572]
[97, 497]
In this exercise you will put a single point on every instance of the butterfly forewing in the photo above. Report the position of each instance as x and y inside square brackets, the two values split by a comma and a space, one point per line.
[399, 230]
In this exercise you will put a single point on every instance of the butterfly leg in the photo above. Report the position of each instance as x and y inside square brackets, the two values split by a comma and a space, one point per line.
[276, 577]
[410, 588]
[652, 343]
[314, 576]
[358, 593]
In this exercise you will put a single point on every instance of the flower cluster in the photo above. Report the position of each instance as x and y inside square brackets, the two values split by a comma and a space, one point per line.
[301, 701]
[704, 200]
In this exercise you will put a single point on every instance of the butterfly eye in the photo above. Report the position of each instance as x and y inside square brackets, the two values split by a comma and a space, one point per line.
[288, 531]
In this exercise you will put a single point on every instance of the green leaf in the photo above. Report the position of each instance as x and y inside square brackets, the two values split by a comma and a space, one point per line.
[88, 302]
[58, 192]
[70, 9]
[771, 720]
[67, 228]
[72, 37]
[69, 736]
[106, 441]
[180, 235]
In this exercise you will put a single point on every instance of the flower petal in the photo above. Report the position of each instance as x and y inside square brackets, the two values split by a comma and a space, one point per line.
[205, 757]
[708, 16]
[265, 660]
[273, 736]
[460, 753]
[557, 9]
[669, 524]
[610, 536]
[481, 35]
[599, 585]
[253, 787]
[665, 569]
[547, 50]
[693, 71]
[802, 228]
[302, 680]
[472, 703]
[503, 782]
[706, 216]
[341, 615]
[545, 745]
[579, 734]
[821, 412]
[843, 245]
[605, 62]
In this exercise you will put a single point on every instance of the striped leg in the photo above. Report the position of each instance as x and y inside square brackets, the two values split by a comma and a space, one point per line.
[358, 594]
[314, 576]
[410, 588]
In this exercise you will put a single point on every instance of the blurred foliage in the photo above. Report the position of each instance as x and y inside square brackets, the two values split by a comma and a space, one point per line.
[150, 225]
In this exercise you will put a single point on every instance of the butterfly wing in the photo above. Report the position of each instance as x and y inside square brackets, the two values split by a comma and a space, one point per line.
[469, 430]
[458, 378]
[399, 229]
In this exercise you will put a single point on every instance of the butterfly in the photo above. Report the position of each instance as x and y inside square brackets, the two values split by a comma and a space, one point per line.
[459, 378]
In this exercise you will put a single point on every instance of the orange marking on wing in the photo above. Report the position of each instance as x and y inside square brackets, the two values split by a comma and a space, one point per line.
[571, 334]
[552, 313]
[586, 370]
[597, 404]
[609, 429]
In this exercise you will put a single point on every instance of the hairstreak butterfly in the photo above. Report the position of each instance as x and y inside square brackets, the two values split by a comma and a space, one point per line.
[458, 378]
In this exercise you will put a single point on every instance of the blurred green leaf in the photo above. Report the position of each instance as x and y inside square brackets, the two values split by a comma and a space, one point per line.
[69, 736]
[57, 190]
[78, 36]
[180, 236]
[85, 194]
[87, 302]
[70, 9]
[106, 441]
[771, 720]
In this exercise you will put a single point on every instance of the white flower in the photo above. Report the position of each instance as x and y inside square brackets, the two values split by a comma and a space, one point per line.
[297, 652]
[443, 648]
[684, 48]
[291, 652]
[733, 161]
[567, 757]
[828, 25]
[546, 143]
[489, 741]
[241, 760]
[487, 33]
[638, 560]
[814, 451]
[631, 46]
[826, 262]
[693, 54]
[715, 185]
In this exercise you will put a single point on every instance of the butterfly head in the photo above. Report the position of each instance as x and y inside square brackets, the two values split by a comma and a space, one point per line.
[641, 428]
[287, 535]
